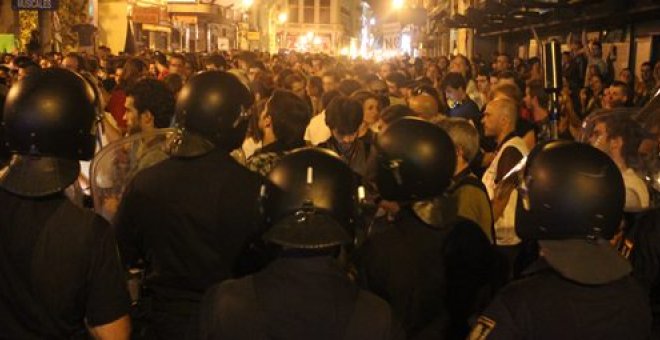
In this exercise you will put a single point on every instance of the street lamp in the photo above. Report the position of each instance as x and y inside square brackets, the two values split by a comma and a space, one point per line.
[283, 17]
[398, 4]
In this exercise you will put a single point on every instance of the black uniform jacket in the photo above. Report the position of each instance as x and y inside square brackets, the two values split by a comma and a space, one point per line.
[547, 306]
[59, 269]
[296, 298]
[434, 277]
[190, 221]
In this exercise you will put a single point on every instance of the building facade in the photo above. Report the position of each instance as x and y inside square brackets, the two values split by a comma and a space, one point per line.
[329, 26]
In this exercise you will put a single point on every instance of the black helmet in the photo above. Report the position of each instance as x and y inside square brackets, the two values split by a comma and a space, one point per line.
[571, 200]
[570, 190]
[313, 203]
[212, 111]
[48, 124]
[416, 160]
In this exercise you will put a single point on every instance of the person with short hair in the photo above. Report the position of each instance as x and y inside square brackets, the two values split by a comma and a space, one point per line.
[619, 95]
[454, 86]
[317, 131]
[216, 62]
[536, 101]
[499, 121]
[177, 64]
[330, 80]
[282, 125]
[160, 61]
[620, 138]
[344, 117]
[469, 192]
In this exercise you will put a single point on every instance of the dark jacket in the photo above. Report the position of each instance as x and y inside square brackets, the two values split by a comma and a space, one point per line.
[547, 306]
[190, 221]
[434, 277]
[296, 298]
[59, 269]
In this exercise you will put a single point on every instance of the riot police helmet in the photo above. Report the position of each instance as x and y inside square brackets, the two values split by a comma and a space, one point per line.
[212, 111]
[416, 160]
[312, 202]
[571, 200]
[48, 125]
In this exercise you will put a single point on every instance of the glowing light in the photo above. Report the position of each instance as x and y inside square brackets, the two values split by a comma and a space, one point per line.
[283, 17]
[316, 41]
[344, 51]
[310, 35]
[372, 21]
[248, 3]
[405, 43]
[398, 4]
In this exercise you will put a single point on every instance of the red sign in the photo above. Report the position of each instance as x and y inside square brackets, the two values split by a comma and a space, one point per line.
[146, 15]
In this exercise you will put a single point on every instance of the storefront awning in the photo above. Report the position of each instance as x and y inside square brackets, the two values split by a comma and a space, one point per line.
[156, 28]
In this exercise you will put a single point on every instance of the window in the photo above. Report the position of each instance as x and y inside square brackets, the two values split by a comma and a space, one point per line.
[308, 14]
[324, 11]
[293, 11]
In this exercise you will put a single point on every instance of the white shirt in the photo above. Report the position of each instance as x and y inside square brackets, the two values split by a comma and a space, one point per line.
[317, 132]
[637, 194]
[505, 230]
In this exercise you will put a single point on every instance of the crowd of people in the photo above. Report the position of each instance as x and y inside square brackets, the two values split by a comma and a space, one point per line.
[435, 185]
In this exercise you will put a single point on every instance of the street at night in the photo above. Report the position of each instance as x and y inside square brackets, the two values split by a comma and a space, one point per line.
[330, 169]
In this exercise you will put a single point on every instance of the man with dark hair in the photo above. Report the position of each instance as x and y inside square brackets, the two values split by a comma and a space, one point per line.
[255, 69]
[344, 117]
[349, 86]
[317, 132]
[330, 81]
[619, 95]
[296, 84]
[536, 100]
[74, 62]
[282, 125]
[502, 62]
[619, 138]
[454, 86]
[394, 82]
[177, 64]
[149, 105]
[646, 84]
[596, 58]
[215, 62]
[161, 65]
[25, 66]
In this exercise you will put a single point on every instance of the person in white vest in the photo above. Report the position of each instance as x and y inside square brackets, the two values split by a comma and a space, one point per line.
[499, 121]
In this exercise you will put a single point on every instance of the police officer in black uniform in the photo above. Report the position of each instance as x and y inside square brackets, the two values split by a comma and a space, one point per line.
[60, 275]
[571, 201]
[306, 293]
[431, 266]
[188, 220]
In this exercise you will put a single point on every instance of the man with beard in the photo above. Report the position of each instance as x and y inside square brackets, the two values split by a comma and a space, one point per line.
[149, 106]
